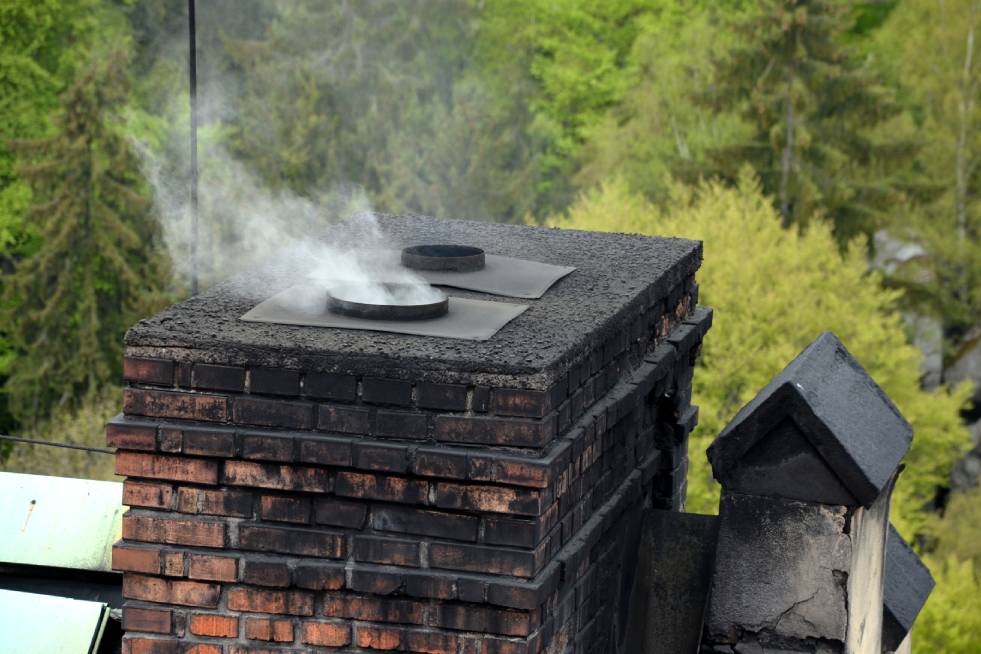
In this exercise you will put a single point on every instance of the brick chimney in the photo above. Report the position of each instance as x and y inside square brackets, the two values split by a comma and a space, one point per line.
[308, 489]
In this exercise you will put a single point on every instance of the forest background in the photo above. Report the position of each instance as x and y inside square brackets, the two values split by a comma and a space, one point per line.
[826, 152]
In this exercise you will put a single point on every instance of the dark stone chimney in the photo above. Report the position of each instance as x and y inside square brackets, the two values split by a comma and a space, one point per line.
[807, 469]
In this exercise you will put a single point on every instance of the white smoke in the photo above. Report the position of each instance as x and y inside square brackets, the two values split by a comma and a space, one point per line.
[262, 238]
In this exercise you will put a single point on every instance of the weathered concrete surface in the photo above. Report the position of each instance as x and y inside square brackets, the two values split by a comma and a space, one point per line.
[780, 571]
[670, 589]
[843, 413]
[617, 276]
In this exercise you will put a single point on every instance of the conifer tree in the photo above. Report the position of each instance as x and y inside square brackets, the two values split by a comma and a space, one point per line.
[70, 301]
[817, 112]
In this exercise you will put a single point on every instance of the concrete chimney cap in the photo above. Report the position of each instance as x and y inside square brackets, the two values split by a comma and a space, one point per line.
[823, 414]
[906, 587]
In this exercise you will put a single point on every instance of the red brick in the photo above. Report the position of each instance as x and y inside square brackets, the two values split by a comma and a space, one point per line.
[429, 642]
[381, 487]
[384, 457]
[148, 371]
[279, 631]
[326, 634]
[339, 513]
[484, 620]
[157, 621]
[301, 542]
[169, 404]
[166, 591]
[217, 626]
[319, 576]
[375, 609]
[254, 600]
[268, 448]
[406, 640]
[377, 582]
[170, 440]
[173, 532]
[326, 451]
[136, 645]
[284, 509]
[388, 551]
[212, 568]
[163, 466]
[173, 564]
[424, 523]
[209, 442]
[494, 431]
[202, 648]
[214, 502]
[520, 403]
[266, 573]
[273, 413]
[493, 499]
[521, 473]
[271, 475]
[486, 560]
[440, 463]
[150, 495]
[136, 559]
[383, 638]
[125, 436]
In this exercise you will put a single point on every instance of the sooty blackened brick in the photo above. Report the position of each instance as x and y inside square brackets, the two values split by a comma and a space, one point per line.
[339, 513]
[375, 390]
[330, 386]
[400, 424]
[218, 378]
[344, 419]
[384, 457]
[274, 381]
[442, 397]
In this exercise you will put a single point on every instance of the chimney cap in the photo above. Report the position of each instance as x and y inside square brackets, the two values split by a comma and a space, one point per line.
[822, 417]
[906, 587]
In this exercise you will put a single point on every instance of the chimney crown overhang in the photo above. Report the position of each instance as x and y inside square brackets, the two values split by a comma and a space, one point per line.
[822, 430]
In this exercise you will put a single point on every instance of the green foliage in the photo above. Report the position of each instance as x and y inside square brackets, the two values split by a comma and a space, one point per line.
[930, 51]
[774, 291]
[567, 60]
[950, 622]
[69, 302]
[814, 108]
[392, 103]
[659, 129]
[84, 424]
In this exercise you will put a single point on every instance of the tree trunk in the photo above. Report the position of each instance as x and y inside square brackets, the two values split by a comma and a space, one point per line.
[787, 158]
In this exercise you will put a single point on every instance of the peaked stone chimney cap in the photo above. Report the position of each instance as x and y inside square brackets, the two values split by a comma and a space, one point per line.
[906, 587]
[822, 430]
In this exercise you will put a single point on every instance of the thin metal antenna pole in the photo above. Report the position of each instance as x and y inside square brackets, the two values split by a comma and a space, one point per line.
[192, 67]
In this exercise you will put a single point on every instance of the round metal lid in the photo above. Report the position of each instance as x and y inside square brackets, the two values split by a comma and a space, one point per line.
[447, 257]
[386, 301]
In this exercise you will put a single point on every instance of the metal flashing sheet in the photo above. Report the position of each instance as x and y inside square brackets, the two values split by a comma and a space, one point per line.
[505, 276]
[58, 521]
[42, 624]
[474, 320]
